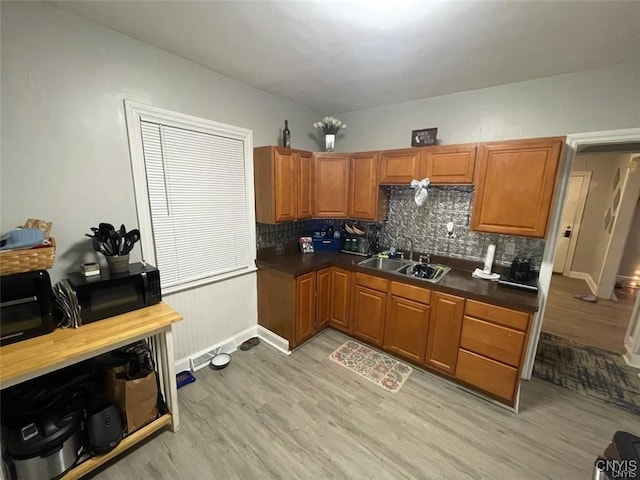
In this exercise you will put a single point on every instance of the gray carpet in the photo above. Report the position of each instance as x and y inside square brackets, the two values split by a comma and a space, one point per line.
[589, 371]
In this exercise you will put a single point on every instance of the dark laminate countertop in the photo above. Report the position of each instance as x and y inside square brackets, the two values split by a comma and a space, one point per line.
[457, 282]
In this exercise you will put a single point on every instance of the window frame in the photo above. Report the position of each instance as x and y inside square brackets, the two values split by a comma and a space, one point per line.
[135, 113]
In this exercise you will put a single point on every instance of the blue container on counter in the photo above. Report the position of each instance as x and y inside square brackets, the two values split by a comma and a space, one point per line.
[325, 243]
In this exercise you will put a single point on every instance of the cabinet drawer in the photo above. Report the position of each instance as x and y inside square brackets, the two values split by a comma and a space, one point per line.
[493, 341]
[493, 377]
[500, 315]
[411, 292]
[376, 283]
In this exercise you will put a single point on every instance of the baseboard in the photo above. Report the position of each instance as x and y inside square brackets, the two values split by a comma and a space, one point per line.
[276, 341]
[587, 278]
[228, 345]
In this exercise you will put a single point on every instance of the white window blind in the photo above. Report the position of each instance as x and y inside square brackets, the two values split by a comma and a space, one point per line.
[196, 183]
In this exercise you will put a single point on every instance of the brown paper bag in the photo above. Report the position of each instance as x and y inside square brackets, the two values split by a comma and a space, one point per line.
[137, 398]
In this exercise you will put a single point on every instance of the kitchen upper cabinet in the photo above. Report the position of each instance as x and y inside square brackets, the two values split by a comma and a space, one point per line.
[330, 185]
[305, 194]
[514, 183]
[282, 184]
[445, 324]
[399, 166]
[305, 307]
[367, 201]
[449, 164]
[340, 299]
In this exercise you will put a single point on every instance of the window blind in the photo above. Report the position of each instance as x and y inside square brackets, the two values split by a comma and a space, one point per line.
[198, 205]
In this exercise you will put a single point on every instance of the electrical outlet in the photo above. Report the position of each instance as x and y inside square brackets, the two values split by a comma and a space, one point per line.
[509, 248]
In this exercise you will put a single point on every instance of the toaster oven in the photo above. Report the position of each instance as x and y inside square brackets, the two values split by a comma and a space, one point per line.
[26, 306]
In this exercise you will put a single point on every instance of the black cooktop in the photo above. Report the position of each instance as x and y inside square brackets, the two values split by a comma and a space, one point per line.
[530, 285]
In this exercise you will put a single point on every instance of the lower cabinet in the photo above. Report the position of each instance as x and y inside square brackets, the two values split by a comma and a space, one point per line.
[492, 348]
[340, 299]
[483, 345]
[305, 319]
[323, 297]
[406, 328]
[369, 307]
[287, 305]
[445, 324]
[493, 377]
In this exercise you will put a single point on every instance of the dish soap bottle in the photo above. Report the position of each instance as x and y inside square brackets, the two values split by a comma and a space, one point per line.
[286, 135]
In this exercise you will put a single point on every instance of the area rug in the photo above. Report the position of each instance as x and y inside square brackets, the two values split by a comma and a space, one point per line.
[375, 366]
[590, 371]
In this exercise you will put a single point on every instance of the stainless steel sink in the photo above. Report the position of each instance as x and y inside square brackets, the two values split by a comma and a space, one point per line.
[384, 264]
[428, 272]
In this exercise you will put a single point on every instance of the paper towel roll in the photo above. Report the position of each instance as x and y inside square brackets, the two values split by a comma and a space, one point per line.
[488, 261]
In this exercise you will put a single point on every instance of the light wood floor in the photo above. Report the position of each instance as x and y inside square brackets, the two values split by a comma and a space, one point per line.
[602, 324]
[302, 416]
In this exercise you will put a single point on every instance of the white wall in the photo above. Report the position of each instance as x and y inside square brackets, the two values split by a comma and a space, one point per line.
[593, 238]
[596, 100]
[630, 263]
[65, 154]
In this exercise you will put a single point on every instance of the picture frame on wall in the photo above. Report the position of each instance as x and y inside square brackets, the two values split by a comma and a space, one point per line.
[424, 137]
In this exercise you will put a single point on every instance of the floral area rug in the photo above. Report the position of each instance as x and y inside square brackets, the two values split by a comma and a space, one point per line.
[589, 371]
[375, 366]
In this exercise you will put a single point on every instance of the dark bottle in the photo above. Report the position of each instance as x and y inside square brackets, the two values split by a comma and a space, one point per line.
[286, 135]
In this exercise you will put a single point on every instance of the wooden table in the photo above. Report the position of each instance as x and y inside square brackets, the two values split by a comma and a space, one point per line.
[32, 358]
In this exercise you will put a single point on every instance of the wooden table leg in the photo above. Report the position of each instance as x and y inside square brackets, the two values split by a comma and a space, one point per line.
[169, 377]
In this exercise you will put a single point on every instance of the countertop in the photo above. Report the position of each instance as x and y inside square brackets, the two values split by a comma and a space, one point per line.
[36, 356]
[457, 282]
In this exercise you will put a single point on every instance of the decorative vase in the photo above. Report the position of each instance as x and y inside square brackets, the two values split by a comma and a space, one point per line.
[118, 264]
[330, 142]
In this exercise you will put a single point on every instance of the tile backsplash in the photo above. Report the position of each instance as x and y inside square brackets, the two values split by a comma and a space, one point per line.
[425, 225]
[282, 233]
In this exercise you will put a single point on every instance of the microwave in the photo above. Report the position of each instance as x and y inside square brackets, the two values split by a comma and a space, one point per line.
[111, 294]
[26, 306]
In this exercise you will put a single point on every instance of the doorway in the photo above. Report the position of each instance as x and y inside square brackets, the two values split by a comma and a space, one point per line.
[575, 144]
[581, 304]
[571, 220]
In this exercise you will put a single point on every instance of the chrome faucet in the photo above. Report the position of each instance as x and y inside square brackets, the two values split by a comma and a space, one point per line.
[410, 247]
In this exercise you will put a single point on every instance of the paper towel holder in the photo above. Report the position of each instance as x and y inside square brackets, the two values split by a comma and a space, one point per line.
[488, 261]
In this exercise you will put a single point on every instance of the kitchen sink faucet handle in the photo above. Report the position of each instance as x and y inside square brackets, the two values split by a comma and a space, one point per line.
[425, 258]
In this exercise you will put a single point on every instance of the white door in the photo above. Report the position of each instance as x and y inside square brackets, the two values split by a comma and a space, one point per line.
[571, 216]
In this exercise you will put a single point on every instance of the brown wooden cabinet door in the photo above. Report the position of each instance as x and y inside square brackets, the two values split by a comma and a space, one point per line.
[363, 191]
[514, 186]
[323, 297]
[399, 166]
[369, 309]
[285, 167]
[449, 164]
[339, 316]
[305, 307]
[305, 192]
[445, 324]
[330, 185]
[406, 328]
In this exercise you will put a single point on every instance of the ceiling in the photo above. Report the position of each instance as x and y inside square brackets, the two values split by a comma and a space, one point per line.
[339, 56]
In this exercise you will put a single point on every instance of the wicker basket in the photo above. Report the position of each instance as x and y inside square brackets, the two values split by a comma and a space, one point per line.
[27, 260]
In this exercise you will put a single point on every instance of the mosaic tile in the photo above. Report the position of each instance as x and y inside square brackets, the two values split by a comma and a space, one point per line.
[425, 225]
